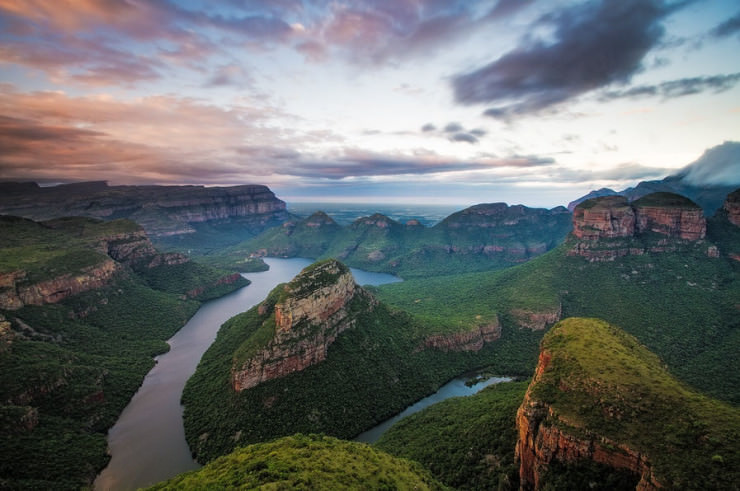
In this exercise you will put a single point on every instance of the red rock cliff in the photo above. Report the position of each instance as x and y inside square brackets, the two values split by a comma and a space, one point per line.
[312, 312]
[606, 217]
[540, 441]
[472, 340]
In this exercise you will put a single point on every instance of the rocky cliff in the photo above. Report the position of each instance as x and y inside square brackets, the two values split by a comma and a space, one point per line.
[599, 398]
[610, 226]
[472, 340]
[162, 210]
[732, 207]
[309, 313]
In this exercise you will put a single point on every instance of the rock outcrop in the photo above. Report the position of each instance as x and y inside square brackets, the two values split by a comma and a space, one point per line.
[472, 340]
[14, 293]
[610, 226]
[162, 210]
[732, 207]
[309, 314]
[601, 401]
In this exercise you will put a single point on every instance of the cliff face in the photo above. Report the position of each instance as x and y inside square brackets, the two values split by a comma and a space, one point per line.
[732, 207]
[310, 313]
[472, 340]
[599, 401]
[610, 226]
[162, 210]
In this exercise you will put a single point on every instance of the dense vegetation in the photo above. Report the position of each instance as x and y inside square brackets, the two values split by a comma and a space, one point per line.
[466, 442]
[601, 381]
[372, 371]
[682, 306]
[68, 369]
[306, 462]
[479, 238]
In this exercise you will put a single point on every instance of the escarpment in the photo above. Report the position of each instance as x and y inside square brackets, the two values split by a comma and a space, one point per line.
[610, 226]
[732, 207]
[307, 316]
[472, 340]
[600, 400]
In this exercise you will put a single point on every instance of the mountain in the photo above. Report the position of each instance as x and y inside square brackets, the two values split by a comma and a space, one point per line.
[185, 217]
[321, 355]
[601, 403]
[306, 462]
[482, 237]
[706, 181]
[677, 295]
[84, 305]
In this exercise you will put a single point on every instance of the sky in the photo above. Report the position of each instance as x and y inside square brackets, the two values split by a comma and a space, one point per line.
[391, 101]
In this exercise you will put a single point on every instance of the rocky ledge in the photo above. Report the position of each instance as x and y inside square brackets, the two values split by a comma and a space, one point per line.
[732, 207]
[308, 315]
[472, 340]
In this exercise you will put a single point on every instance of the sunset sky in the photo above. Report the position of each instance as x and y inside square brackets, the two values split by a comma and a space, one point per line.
[429, 101]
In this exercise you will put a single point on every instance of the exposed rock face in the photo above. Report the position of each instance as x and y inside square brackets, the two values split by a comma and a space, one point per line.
[309, 315]
[732, 207]
[14, 296]
[606, 217]
[540, 442]
[162, 210]
[536, 321]
[472, 340]
[606, 227]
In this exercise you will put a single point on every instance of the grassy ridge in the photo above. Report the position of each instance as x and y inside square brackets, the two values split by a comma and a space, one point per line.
[602, 381]
[306, 462]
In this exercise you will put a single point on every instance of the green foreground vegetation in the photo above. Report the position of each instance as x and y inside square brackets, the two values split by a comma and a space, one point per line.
[307, 462]
[68, 369]
[466, 442]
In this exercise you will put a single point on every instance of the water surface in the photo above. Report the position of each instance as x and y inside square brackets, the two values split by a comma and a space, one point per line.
[147, 443]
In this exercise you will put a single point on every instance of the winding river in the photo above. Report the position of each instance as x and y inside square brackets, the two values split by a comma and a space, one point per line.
[147, 443]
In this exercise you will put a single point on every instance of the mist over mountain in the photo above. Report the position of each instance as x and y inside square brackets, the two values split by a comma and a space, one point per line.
[707, 181]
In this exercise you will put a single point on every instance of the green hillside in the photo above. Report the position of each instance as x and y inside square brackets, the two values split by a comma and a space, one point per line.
[466, 442]
[68, 369]
[480, 238]
[601, 383]
[681, 305]
[306, 462]
[372, 371]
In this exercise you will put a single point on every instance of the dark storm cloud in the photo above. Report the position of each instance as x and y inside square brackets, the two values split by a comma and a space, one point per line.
[676, 88]
[593, 44]
[728, 27]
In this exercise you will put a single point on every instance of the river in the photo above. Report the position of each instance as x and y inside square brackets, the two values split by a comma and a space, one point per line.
[455, 388]
[147, 443]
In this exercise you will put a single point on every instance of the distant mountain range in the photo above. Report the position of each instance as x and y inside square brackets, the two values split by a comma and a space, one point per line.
[707, 181]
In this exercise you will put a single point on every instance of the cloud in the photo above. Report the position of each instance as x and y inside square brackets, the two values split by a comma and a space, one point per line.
[464, 137]
[676, 88]
[428, 127]
[718, 166]
[592, 45]
[453, 127]
[727, 28]
[229, 75]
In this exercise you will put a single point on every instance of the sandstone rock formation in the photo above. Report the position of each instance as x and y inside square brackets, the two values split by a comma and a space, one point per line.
[536, 321]
[610, 226]
[472, 340]
[309, 314]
